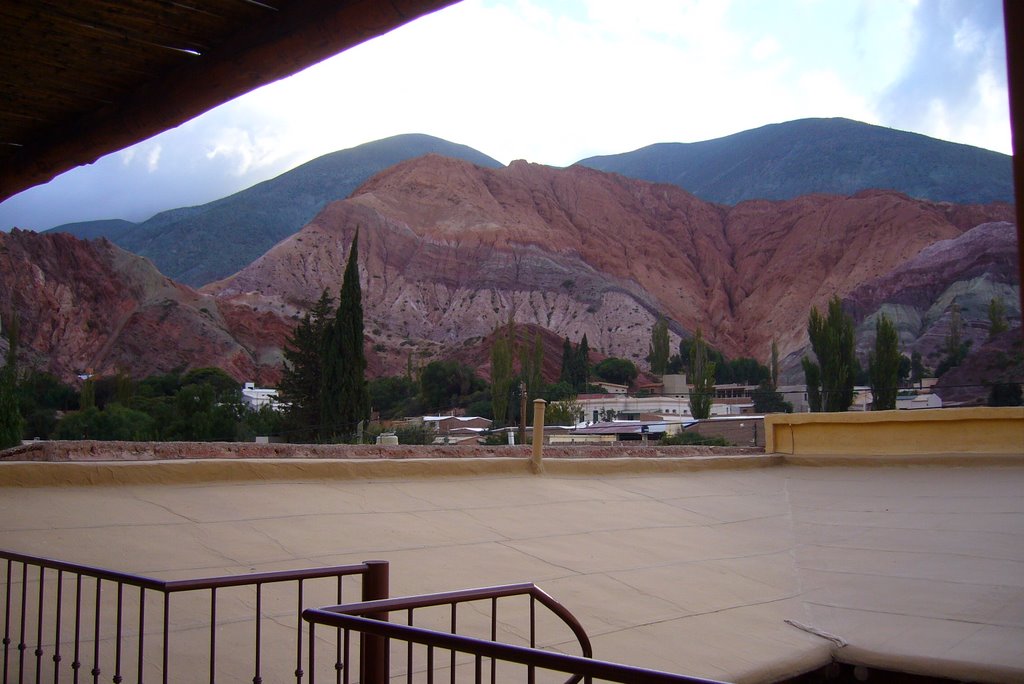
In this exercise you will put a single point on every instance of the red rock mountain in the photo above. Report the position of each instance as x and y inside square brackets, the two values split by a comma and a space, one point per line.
[90, 307]
[449, 250]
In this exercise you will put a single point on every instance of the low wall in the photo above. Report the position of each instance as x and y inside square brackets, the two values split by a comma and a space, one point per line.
[92, 451]
[897, 433]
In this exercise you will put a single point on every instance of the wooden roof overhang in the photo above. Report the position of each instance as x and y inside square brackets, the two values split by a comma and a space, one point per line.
[83, 78]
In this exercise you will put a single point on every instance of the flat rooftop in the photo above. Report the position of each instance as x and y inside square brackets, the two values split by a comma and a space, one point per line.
[747, 572]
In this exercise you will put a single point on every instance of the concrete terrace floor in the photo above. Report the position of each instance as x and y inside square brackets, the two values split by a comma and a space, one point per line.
[918, 569]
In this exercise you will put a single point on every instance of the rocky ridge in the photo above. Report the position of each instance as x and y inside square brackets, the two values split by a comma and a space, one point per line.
[449, 251]
[90, 307]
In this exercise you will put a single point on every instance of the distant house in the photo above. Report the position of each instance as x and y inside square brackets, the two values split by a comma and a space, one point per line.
[255, 398]
[612, 388]
[909, 402]
[614, 431]
[599, 407]
[457, 429]
[446, 424]
[738, 430]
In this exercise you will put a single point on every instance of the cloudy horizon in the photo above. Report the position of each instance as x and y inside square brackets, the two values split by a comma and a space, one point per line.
[556, 82]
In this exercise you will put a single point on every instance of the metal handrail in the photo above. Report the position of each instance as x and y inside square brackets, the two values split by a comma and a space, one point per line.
[172, 586]
[374, 586]
[371, 617]
[465, 595]
[580, 666]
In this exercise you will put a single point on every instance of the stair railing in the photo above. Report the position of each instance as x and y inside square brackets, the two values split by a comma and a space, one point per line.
[64, 610]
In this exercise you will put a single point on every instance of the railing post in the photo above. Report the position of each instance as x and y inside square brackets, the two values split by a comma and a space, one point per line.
[536, 463]
[374, 660]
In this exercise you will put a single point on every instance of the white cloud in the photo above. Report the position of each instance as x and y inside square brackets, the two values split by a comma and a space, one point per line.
[153, 158]
[765, 48]
[245, 150]
[554, 81]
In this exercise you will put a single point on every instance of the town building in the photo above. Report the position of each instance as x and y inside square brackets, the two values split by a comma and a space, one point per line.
[255, 398]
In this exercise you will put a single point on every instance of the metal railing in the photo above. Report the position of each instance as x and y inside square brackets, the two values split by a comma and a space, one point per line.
[372, 618]
[59, 609]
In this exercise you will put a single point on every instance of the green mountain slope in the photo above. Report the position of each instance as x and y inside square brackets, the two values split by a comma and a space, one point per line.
[836, 156]
[197, 245]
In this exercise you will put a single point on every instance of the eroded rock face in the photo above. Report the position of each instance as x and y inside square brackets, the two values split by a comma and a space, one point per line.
[967, 271]
[449, 251]
[90, 307]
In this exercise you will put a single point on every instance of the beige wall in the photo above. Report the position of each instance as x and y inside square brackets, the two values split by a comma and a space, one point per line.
[935, 431]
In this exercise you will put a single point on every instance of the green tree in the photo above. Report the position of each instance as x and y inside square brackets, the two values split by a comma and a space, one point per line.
[300, 384]
[581, 365]
[917, 369]
[447, 384]
[997, 317]
[955, 346]
[113, 423]
[833, 343]
[769, 400]
[1006, 394]
[568, 360]
[616, 370]
[390, 395]
[658, 354]
[87, 398]
[575, 364]
[774, 368]
[884, 365]
[565, 412]
[531, 366]
[501, 373]
[223, 385]
[40, 396]
[812, 376]
[344, 397]
[11, 424]
[702, 377]
[263, 421]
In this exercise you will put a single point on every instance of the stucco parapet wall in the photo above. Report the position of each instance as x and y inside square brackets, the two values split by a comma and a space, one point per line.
[89, 451]
[185, 471]
[932, 434]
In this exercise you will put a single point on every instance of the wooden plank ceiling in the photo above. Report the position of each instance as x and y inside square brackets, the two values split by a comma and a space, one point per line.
[82, 78]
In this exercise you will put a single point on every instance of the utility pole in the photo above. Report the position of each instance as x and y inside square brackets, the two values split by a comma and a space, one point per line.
[522, 412]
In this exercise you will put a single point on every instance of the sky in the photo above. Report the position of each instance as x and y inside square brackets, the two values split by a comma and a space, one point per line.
[556, 81]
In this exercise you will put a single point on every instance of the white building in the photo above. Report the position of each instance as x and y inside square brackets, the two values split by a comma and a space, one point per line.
[918, 401]
[256, 398]
[600, 407]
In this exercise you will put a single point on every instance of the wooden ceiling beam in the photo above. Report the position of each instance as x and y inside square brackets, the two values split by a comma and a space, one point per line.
[302, 33]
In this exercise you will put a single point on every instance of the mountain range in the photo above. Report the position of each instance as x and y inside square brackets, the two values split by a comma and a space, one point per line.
[780, 161]
[187, 244]
[450, 249]
[834, 156]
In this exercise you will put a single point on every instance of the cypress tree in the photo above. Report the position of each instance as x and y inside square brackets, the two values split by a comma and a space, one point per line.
[884, 365]
[812, 376]
[775, 366]
[703, 372]
[658, 354]
[11, 423]
[501, 373]
[833, 343]
[301, 377]
[531, 365]
[344, 395]
[582, 365]
[568, 361]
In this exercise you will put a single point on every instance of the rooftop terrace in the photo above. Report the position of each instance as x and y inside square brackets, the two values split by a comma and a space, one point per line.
[737, 571]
